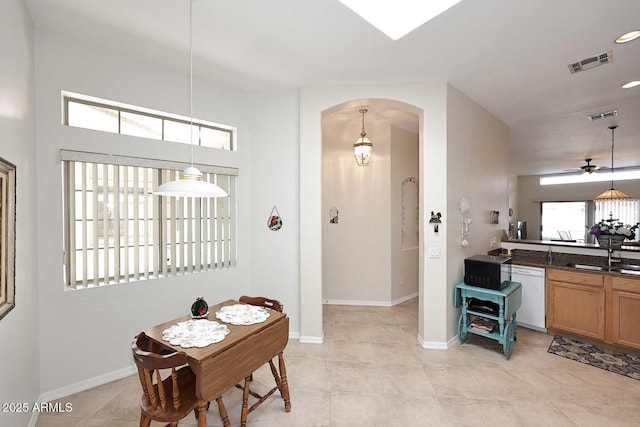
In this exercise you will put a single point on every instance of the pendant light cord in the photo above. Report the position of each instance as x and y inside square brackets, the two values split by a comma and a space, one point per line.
[191, 78]
[613, 128]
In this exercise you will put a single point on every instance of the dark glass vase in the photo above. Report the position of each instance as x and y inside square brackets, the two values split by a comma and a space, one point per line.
[613, 241]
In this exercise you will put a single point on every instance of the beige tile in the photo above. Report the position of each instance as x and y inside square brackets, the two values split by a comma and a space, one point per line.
[354, 377]
[371, 372]
[55, 420]
[425, 411]
[358, 409]
[601, 416]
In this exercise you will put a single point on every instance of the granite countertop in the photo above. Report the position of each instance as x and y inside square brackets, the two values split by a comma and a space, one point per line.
[564, 261]
[633, 248]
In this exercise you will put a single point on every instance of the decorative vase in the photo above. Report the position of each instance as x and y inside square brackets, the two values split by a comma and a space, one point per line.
[199, 308]
[615, 242]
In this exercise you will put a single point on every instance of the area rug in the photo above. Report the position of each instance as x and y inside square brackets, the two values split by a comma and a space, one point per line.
[593, 355]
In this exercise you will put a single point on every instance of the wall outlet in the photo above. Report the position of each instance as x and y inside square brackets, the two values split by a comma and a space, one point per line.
[492, 242]
[434, 252]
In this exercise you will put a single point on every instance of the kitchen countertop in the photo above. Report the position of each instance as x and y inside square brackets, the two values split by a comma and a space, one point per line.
[561, 260]
[568, 244]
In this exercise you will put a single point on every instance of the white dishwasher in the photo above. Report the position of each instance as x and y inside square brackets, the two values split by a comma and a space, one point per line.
[532, 311]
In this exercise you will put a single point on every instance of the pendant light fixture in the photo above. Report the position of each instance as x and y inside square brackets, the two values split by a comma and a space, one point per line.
[612, 194]
[191, 182]
[362, 147]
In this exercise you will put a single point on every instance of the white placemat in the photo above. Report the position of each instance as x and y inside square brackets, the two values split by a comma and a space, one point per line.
[195, 333]
[242, 314]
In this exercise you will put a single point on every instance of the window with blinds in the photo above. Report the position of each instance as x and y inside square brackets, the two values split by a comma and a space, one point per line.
[117, 231]
[625, 211]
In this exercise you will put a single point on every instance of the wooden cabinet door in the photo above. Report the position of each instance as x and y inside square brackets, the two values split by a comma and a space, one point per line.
[625, 312]
[576, 303]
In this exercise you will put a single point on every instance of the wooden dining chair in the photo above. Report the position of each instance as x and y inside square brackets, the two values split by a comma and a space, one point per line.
[279, 375]
[169, 399]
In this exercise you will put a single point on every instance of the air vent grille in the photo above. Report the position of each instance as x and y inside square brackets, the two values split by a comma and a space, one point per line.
[591, 62]
[599, 116]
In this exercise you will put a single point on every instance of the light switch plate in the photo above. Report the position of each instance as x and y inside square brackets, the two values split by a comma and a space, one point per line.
[434, 252]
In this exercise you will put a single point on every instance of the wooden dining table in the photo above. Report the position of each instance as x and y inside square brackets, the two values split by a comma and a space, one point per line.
[220, 366]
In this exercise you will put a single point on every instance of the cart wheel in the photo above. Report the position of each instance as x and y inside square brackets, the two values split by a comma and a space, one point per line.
[509, 338]
[463, 334]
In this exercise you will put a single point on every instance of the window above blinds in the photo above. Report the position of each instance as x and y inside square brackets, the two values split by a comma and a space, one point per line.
[109, 116]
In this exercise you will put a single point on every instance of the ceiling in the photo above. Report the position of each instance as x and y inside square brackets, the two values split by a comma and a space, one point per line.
[509, 56]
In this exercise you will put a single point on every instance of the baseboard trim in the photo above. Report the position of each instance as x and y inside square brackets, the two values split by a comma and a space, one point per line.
[404, 299]
[87, 384]
[436, 345]
[311, 339]
[80, 386]
[370, 303]
[294, 335]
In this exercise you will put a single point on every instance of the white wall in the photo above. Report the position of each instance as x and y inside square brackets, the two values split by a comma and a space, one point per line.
[531, 193]
[273, 156]
[356, 252]
[478, 170]
[98, 324]
[19, 328]
[404, 261]
[429, 103]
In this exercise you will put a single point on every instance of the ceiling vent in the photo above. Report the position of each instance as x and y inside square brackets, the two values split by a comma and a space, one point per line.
[589, 63]
[599, 116]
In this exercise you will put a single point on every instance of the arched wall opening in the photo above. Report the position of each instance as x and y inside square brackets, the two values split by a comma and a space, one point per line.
[370, 223]
[428, 102]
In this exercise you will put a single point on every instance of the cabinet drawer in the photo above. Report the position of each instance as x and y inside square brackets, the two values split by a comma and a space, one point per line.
[625, 284]
[587, 279]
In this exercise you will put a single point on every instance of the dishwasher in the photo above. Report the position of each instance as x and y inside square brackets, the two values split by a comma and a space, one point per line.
[532, 311]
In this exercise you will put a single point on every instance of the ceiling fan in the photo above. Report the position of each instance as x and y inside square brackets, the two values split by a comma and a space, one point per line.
[589, 168]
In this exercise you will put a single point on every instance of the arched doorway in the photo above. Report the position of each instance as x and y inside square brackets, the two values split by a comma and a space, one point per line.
[370, 224]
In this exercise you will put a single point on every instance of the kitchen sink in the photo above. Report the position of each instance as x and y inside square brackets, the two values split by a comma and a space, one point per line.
[632, 269]
[587, 267]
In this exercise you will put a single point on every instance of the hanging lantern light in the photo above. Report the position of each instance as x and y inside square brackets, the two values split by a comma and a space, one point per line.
[362, 147]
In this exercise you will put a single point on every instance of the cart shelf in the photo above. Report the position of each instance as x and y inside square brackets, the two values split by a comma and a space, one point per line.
[508, 300]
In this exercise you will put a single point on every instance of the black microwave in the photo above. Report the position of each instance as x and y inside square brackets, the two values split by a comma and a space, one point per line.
[487, 271]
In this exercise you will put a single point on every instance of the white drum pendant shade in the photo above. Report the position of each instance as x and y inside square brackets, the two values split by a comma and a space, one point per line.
[190, 184]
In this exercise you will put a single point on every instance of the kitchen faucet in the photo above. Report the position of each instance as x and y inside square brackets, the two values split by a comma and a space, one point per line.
[610, 258]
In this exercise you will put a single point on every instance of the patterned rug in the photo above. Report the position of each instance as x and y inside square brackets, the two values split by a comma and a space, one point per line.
[612, 361]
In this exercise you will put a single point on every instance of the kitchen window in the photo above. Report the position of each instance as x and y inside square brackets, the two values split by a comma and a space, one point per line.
[569, 220]
[117, 231]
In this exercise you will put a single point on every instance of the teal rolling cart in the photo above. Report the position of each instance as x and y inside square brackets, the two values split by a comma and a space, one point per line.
[508, 301]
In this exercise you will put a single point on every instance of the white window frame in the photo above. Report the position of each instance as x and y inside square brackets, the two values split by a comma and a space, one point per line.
[180, 235]
[120, 108]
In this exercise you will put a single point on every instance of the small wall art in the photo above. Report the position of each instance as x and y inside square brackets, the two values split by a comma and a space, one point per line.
[333, 215]
[494, 217]
[435, 220]
[275, 220]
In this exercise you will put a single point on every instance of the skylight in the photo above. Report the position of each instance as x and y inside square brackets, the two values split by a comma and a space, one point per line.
[398, 17]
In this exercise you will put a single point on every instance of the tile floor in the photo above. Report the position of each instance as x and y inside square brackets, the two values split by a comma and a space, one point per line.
[371, 372]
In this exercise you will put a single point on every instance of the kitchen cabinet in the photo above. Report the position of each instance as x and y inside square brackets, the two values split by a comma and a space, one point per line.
[623, 311]
[576, 302]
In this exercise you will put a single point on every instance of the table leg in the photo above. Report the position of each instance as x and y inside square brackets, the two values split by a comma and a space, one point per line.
[285, 384]
[223, 413]
[202, 413]
[245, 403]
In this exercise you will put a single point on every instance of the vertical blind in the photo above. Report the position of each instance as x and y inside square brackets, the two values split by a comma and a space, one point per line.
[625, 211]
[117, 231]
